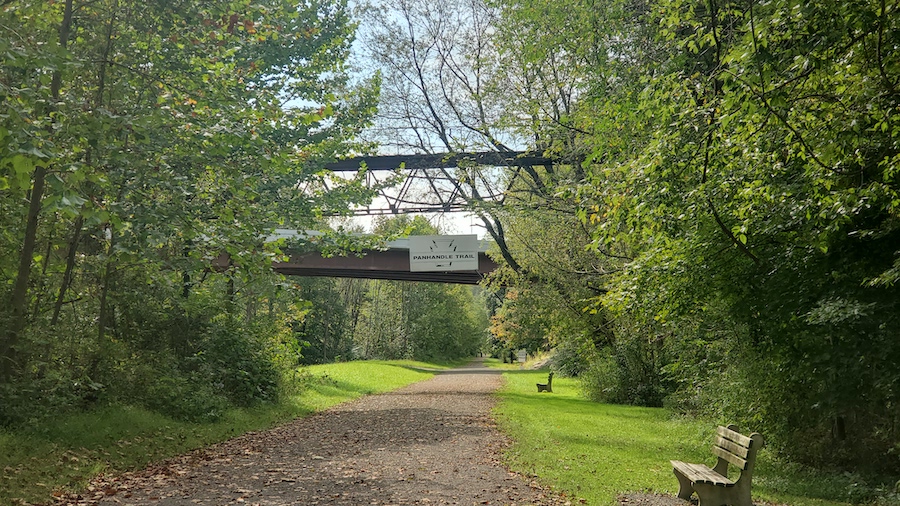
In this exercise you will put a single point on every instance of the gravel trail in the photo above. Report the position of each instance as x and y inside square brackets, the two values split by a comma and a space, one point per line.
[432, 442]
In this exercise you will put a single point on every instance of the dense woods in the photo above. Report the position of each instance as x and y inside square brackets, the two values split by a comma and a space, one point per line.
[348, 319]
[720, 233]
[141, 140]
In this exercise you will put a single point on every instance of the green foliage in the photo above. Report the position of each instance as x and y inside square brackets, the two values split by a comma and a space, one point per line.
[65, 452]
[146, 150]
[412, 320]
[573, 357]
[422, 321]
[326, 330]
[240, 367]
[183, 396]
[785, 201]
[626, 374]
[169, 354]
[734, 167]
[596, 451]
[518, 324]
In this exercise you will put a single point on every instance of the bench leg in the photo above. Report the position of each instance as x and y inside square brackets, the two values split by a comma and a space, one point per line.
[711, 495]
[685, 489]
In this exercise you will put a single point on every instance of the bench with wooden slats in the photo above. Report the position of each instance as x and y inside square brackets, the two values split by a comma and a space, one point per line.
[712, 484]
[548, 386]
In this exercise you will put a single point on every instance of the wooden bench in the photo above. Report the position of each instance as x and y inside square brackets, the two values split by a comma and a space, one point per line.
[546, 387]
[712, 485]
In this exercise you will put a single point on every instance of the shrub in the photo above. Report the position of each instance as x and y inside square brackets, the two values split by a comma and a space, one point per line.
[240, 364]
[600, 381]
[189, 398]
[626, 373]
[573, 357]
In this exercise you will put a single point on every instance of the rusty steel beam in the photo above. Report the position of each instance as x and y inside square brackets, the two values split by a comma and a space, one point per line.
[437, 160]
[388, 264]
[391, 263]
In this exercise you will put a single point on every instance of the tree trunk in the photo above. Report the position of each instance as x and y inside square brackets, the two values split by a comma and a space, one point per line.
[42, 282]
[326, 334]
[103, 314]
[18, 304]
[19, 300]
[70, 268]
[355, 299]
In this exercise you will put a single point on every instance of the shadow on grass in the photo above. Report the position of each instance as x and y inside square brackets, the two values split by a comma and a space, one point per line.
[580, 406]
[479, 371]
[448, 367]
[416, 368]
[333, 382]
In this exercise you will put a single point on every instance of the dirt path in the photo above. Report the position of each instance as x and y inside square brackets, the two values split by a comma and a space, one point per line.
[432, 442]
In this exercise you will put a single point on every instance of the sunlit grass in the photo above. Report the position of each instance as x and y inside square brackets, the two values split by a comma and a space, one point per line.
[339, 382]
[65, 453]
[589, 450]
[595, 451]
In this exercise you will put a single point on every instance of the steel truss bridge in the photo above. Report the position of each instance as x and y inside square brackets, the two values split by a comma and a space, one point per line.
[441, 182]
[429, 183]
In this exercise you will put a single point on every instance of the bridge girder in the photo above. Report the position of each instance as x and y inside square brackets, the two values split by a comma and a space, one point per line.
[389, 264]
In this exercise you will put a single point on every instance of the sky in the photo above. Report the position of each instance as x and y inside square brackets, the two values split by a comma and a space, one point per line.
[452, 222]
[455, 223]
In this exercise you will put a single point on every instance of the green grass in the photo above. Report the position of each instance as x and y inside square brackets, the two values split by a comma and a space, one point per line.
[585, 449]
[343, 381]
[594, 451]
[65, 453]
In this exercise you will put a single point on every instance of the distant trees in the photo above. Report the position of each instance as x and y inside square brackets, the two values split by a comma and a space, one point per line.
[426, 321]
[450, 85]
[350, 319]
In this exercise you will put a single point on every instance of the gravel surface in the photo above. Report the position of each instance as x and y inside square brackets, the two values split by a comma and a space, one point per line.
[432, 442]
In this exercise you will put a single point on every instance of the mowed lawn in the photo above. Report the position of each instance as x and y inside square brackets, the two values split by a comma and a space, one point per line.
[592, 452]
[588, 450]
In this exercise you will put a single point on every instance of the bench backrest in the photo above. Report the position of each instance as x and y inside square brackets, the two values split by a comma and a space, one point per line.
[736, 449]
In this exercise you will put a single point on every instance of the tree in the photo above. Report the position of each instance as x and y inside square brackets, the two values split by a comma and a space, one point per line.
[726, 189]
[138, 142]
[327, 329]
[743, 162]
[447, 87]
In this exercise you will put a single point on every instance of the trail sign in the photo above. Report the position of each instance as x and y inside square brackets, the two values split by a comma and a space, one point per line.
[443, 253]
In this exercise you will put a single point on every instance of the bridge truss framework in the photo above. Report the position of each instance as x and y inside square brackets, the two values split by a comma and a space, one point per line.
[441, 182]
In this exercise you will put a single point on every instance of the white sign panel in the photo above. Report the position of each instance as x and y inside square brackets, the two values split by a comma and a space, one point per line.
[443, 253]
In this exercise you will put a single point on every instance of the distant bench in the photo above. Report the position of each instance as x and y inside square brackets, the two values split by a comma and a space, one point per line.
[548, 386]
[712, 485]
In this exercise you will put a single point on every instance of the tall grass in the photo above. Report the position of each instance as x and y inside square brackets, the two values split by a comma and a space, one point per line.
[65, 453]
[594, 451]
